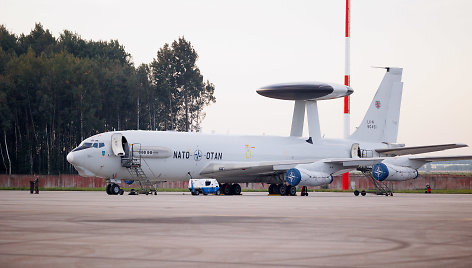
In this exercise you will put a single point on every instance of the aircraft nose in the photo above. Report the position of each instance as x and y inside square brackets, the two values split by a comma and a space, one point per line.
[70, 158]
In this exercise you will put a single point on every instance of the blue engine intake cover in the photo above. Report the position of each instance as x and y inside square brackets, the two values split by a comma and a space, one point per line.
[380, 171]
[128, 181]
[293, 177]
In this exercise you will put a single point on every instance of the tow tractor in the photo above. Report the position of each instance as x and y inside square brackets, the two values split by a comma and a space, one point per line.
[203, 186]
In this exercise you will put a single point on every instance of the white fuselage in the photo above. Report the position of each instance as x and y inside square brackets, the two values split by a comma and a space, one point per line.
[191, 152]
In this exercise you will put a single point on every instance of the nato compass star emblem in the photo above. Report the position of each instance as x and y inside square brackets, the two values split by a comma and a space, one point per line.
[378, 172]
[197, 155]
[291, 176]
[377, 104]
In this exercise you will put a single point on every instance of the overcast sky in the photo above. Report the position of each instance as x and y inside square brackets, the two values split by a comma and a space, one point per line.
[244, 45]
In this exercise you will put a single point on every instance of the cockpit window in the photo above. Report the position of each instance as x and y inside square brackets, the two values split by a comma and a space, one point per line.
[83, 146]
[101, 144]
[95, 145]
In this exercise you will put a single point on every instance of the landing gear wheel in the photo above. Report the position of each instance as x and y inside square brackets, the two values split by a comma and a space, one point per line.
[272, 189]
[115, 189]
[122, 191]
[292, 190]
[155, 193]
[236, 189]
[282, 189]
[304, 191]
[226, 189]
[108, 189]
[356, 193]
[363, 192]
[275, 189]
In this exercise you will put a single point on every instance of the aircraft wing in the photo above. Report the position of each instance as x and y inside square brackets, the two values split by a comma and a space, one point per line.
[245, 169]
[419, 149]
[264, 168]
[441, 158]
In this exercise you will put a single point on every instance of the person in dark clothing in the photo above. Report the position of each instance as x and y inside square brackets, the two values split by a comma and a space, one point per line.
[36, 185]
[31, 186]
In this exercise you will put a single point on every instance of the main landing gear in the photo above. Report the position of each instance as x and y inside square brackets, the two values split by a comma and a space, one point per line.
[114, 189]
[356, 192]
[282, 189]
[230, 189]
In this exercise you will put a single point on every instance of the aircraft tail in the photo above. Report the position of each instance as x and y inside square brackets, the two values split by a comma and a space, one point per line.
[380, 124]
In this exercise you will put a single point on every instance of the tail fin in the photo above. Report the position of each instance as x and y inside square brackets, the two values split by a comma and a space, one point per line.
[380, 124]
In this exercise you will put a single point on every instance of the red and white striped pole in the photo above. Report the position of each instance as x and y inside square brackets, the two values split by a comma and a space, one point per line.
[347, 82]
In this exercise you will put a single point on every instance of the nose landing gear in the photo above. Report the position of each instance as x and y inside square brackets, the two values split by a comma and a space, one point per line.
[114, 189]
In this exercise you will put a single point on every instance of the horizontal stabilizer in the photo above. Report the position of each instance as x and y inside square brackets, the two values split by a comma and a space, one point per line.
[419, 149]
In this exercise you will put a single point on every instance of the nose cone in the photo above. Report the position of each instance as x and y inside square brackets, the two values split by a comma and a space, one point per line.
[349, 90]
[70, 158]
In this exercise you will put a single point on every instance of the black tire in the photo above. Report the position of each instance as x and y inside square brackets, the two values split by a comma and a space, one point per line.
[271, 188]
[292, 190]
[283, 189]
[108, 189]
[363, 192]
[226, 189]
[197, 192]
[115, 189]
[275, 188]
[356, 193]
[236, 189]
[155, 193]
[122, 192]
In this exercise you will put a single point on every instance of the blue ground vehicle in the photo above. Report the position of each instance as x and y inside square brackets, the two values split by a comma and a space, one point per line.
[204, 186]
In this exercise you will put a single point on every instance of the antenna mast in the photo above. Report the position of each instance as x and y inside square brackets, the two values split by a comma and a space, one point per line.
[347, 82]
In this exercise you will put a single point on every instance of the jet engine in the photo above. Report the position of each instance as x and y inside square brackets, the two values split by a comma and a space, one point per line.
[304, 177]
[389, 172]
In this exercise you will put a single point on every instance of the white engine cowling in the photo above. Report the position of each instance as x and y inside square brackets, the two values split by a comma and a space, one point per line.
[389, 172]
[304, 177]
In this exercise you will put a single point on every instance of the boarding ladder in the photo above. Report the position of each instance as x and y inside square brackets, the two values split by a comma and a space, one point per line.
[382, 187]
[133, 164]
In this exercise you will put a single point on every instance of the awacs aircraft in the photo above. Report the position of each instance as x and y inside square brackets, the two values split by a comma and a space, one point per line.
[283, 162]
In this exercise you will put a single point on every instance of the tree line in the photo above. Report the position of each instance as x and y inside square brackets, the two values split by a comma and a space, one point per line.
[55, 92]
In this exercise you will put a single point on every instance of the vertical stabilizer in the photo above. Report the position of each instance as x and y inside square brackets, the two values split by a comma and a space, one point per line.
[380, 124]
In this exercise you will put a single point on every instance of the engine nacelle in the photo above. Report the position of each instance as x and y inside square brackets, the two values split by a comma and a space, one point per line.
[304, 177]
[389, 172]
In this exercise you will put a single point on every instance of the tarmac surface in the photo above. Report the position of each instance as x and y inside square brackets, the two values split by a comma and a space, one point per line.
[90, 229]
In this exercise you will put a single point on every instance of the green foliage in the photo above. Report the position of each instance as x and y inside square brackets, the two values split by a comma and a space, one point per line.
[180, 84]
[56, 92]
